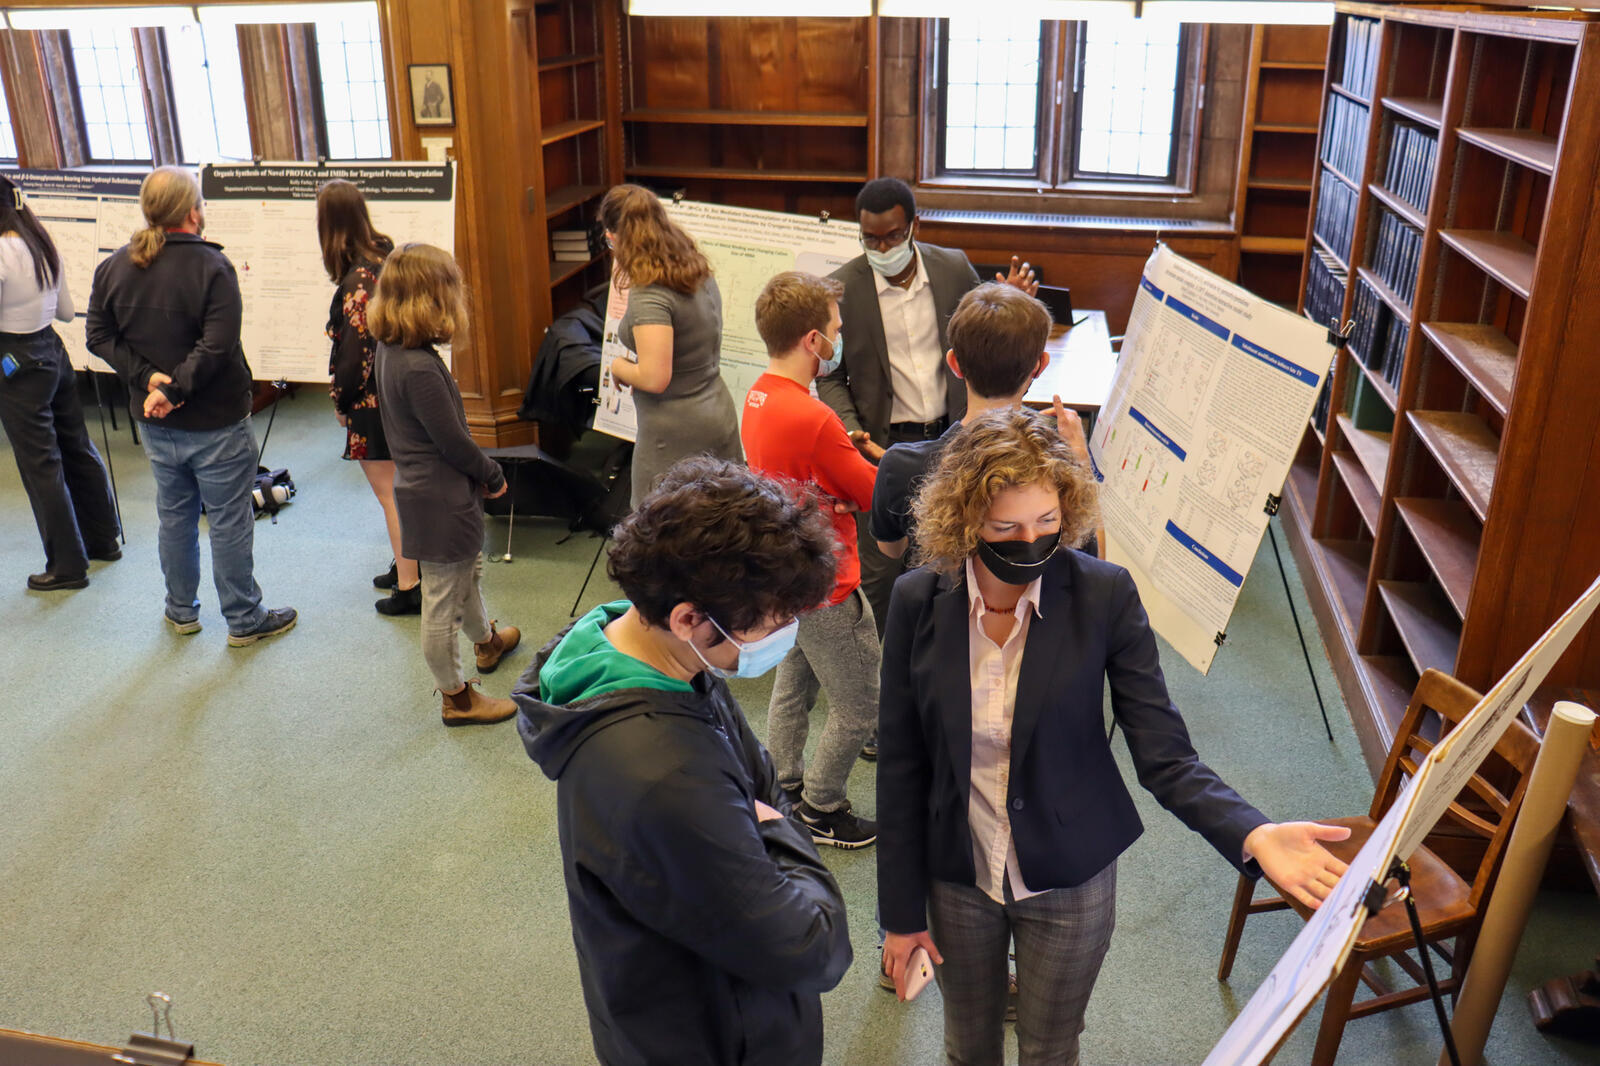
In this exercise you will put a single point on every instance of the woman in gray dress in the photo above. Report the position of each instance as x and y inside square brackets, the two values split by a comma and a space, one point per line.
[674, 325]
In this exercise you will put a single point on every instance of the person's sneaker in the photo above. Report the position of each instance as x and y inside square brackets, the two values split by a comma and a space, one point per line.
[869, 750]
[279, 620]
[837, 829]
[182, 627]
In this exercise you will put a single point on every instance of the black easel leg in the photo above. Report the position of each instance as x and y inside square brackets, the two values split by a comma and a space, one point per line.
[1433, 983]
[111, 469]
[262, 451]
[581, 589]
[1284, 574]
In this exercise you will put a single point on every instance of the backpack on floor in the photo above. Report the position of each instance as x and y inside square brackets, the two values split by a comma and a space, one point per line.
[273, 489]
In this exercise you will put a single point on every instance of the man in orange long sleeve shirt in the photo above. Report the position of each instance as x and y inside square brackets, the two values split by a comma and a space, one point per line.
[792, 435]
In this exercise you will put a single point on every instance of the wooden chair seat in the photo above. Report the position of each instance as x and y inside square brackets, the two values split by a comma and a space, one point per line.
[1444, 900]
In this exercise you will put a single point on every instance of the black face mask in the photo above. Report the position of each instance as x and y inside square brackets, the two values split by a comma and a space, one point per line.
[1017, 562]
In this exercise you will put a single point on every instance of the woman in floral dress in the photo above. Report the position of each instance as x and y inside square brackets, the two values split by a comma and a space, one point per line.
[353, 253]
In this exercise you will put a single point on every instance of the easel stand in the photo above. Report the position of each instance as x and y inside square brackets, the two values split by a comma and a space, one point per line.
[1377, 895]
[1298, 631]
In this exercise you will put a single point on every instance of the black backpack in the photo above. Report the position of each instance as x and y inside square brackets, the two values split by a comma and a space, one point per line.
[273, 489]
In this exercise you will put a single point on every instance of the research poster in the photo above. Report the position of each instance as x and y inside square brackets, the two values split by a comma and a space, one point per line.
[265, 217]
[746, 248]
[89, 215]
[1211, 397]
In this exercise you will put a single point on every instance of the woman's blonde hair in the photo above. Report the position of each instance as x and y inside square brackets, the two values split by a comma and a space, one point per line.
[650, 249]
[998, 450]
[166, 197]
[419, 299]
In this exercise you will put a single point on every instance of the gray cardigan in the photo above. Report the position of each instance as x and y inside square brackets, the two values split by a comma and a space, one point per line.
[440, 473]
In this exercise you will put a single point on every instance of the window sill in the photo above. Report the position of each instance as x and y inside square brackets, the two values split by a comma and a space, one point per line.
[1131, 190]
[1047, 220]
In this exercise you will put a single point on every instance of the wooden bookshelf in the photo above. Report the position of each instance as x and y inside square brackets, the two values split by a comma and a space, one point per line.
[1452, 517]
[1277, 161]
[752, 119]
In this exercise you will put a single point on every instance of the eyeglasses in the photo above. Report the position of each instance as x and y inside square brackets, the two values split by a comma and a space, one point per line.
[885, 241]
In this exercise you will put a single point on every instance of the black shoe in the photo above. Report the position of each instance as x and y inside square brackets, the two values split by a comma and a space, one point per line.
[110, 555]
[869, 750]
[791, 793]
[48, 582]
[277, 621]
[837, 829]
[401, 601]
[389, 579]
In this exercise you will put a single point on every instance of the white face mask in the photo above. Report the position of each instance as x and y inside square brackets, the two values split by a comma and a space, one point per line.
[892, 262]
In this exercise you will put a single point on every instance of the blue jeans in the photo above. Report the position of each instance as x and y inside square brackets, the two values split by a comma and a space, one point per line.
[217, 468]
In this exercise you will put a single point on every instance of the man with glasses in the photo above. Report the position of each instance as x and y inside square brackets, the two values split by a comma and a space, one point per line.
[894, 385]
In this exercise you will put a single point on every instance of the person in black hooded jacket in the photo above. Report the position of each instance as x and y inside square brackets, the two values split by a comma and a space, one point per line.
[705, 924]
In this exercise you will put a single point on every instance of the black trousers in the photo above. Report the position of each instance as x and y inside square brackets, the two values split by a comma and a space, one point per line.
[61, 471]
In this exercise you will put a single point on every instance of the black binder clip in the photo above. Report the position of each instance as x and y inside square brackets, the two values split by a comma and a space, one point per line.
[1273, 503]
[1220, 639]
[150, 1049]
[1337, 337]
[824, 215]
[677, 196]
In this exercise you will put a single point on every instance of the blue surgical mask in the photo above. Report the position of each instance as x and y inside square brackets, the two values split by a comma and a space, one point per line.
[758, 656]
[828, 366]
[892, 262]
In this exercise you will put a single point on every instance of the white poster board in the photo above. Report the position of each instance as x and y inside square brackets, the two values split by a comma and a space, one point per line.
[746, 248]
[265, 217]
[1322, 947]
[1211, 398]
[89, 215]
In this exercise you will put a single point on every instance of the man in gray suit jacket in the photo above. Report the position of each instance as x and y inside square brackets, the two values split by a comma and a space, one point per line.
[893, 384]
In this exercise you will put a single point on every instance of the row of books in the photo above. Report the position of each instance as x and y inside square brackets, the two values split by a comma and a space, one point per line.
[1319, 413]
[1395, 254]
[577, 245]
[1411, 157]
[1377, 336]
[1344, 140]
[1325, 283]
[1360, 56]
[1336, 214]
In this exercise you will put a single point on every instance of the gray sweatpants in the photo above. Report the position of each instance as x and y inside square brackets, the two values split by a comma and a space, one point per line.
[452, 603]
[836, 649]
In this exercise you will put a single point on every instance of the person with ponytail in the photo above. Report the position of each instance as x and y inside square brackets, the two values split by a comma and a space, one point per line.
[674, 325]
[165, 312]
[352, 253]
[39, 406]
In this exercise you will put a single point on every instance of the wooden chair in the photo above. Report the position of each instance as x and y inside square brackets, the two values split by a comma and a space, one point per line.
[1450, 907]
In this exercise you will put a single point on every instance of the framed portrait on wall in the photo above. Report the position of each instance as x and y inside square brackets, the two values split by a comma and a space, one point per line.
[432, 102]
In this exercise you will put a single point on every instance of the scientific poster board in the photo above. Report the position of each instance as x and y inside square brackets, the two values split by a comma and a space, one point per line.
[265, 217]
[746, 248]
[89, 215]
[1211, 398]
[1323, 946]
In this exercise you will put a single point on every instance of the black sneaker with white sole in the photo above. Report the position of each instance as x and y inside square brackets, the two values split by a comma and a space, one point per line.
[277, 620]
[837, 829]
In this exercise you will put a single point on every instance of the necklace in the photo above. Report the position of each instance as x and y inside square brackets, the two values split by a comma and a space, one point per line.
[997, 610]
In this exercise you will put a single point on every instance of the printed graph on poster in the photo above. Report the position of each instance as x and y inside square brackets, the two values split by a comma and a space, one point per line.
[746, 248]
[1204, 417]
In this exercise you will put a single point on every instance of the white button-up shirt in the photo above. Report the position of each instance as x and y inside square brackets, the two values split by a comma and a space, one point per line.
[911, 334]
[994, 669]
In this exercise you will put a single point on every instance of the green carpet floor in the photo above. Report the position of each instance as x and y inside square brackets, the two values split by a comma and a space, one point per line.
[286, 840]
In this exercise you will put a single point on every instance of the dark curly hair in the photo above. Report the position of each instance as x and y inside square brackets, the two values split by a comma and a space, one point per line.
[737, 545]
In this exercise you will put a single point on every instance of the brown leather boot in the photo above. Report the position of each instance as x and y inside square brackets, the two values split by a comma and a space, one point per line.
[471, 707]
[500, 643]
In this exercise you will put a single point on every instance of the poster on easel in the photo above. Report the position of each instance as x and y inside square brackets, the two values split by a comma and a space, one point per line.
[746, 247]
[1212, 395]
[89, 215]
[265, 217]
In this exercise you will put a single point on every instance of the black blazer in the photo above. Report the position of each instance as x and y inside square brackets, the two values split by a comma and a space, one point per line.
[859, 391]
[1070, 811]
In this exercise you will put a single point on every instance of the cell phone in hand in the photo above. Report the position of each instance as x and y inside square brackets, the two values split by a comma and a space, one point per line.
[919, 971]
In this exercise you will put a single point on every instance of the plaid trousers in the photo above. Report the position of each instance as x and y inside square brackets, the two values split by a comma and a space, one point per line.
[1061, 938]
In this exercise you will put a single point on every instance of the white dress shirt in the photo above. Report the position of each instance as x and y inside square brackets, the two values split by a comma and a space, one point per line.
[994, 669]
[911, 333]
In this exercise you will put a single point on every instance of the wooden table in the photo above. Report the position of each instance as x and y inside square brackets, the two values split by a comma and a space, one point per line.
[1082, 365]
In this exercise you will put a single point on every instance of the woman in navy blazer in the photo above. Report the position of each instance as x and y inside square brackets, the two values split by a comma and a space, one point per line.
[1001, 808]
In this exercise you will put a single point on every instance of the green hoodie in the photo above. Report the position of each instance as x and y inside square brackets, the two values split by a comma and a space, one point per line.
[586, 664]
